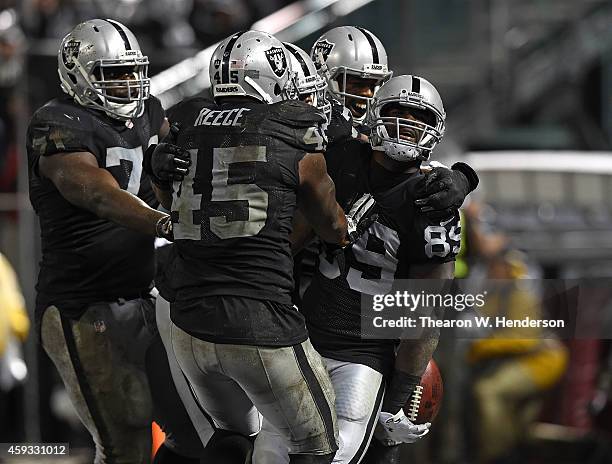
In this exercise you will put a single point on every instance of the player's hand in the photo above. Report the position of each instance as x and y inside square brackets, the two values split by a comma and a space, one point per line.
[355, 228]
[169, 162]
[442, 193]
[166, 162]
[397, 429]
[353, 231]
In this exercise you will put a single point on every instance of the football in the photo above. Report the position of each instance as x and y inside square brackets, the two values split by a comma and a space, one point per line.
[426, 400]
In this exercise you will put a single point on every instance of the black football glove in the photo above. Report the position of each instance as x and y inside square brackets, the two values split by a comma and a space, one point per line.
[356, 230]
[166, 162]
[444, 190]
[353, 232]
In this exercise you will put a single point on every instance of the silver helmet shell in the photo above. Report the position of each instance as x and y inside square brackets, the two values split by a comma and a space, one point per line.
[253, 64]
[350, 51]
[412, 92]
[306, 79]
[87, 57]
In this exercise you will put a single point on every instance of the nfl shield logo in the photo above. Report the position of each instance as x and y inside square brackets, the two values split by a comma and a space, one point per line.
[70, 51]
[277, 60]
[324, 48]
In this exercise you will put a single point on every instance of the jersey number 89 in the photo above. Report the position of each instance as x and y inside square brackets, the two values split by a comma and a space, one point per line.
[437, 242]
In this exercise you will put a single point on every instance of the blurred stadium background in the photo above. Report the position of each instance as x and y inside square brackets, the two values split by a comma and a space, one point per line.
[527, 86]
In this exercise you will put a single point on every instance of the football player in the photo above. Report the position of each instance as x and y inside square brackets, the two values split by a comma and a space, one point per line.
[354, 62]
[399, 242]
[95, 205]
[257, 156]
[356, 65]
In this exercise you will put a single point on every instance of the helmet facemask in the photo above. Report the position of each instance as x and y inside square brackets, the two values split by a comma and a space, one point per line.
[119, 98]
[121, 87]
[408, 138]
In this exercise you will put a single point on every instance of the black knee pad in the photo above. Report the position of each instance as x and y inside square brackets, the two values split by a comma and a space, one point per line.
[226, 447]
[380, 454]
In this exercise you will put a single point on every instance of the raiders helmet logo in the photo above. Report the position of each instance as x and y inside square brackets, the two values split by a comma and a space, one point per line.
[277, 60]
[324, 48]
[70, 52]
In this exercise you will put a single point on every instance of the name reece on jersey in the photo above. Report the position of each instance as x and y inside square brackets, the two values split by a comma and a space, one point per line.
[208, 117]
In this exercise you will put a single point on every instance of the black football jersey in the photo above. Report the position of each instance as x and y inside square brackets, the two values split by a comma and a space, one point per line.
[344, 155]
[86, 258]
[399, 238]
[232, 214]
[347, 160]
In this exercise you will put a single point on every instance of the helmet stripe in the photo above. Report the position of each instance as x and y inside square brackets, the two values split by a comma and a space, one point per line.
[226, 57]
[416, 84]
[368, 36]
[121, 32]
[295, 53]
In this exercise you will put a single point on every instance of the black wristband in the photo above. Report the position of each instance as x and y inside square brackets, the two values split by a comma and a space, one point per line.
[399, 391]
[468, 172]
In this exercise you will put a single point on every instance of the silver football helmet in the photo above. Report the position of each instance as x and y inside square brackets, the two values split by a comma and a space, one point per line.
[101, 66]
[306, 79]
[351, 51]
[412, 137]
[253, 64]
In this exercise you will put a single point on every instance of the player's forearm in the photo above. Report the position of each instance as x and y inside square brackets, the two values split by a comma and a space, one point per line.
[122, 208]
[329, 224]
[163, 196]
[413, 355]
[324, 213]
[410, 364]
[301, 234]
[317, 200]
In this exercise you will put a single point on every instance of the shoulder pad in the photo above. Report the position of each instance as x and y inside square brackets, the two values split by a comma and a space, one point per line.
[156, 113]
[182, 110]
[296, 123]
[154, 101]
[60, 126]
[63, 112]
[297, 113]
[154, 105]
